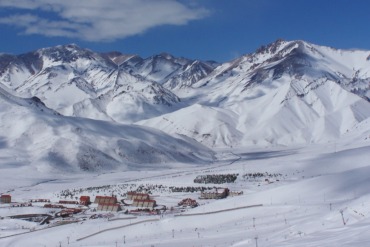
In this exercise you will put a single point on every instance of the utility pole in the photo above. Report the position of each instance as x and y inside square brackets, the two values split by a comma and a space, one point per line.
[173, 233]
[341, 212]
[124, 239]
[254, 222]
[256, 238]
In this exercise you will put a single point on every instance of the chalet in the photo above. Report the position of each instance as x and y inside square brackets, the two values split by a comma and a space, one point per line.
[144, 203]
[85, 200]
[105, 199]
[217, 193]
[132, 195]
[5, 199]
[111, 207]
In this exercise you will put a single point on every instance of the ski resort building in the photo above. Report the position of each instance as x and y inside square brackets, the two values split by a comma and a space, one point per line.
[132, 195]
[111, 207]
[85, 200]
[5, 199]
[217, 193]
[105, 200]
[144, 203]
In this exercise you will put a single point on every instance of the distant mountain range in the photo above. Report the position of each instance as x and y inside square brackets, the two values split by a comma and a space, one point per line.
[285, 93]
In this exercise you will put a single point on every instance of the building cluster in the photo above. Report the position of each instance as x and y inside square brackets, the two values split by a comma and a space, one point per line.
[141, 200]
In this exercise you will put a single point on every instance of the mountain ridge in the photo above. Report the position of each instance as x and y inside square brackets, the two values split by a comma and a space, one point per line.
[285, 92]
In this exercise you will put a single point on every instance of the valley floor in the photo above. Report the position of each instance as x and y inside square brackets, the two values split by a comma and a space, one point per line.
[304, 196]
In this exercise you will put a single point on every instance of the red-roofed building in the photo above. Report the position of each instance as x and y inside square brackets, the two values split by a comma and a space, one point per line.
[112, 207]
[105, 199]
[144, 203]
[85, 200]
[131, 195]
[5, 199]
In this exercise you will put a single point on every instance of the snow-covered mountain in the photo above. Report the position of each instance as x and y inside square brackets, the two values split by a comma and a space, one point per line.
[36, 137]
[110, 86]
[284, 93]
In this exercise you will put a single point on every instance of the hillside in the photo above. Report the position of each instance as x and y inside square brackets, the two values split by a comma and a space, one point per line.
[36, 137]
[285, 93]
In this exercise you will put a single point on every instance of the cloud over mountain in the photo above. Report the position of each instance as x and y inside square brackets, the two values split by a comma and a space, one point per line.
[96, 20]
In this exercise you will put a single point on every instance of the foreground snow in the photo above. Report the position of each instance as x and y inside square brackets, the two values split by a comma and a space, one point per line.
[301, 209]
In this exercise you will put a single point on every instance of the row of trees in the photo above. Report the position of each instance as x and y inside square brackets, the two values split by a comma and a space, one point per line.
[189, 189]
[216, 178]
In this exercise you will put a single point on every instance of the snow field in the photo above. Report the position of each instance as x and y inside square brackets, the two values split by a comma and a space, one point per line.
[301, 209]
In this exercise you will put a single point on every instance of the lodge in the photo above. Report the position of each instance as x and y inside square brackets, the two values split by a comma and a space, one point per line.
[85, 200]
[217, 193]
[105, 199]
[144, 203]
[132, 195]
[5, 199]
[112, 207]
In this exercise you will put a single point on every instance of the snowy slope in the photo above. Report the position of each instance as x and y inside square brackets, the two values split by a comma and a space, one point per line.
[42, 139]
[285, 93]
[211, 126]
[300, 207]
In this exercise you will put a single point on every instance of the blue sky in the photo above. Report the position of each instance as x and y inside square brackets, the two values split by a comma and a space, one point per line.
[200, 29]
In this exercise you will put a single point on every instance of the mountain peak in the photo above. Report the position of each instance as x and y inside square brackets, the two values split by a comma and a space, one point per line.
[66, 53]
[166, 55]
[272, 47]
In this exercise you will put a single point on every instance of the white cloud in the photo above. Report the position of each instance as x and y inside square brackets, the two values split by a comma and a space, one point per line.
[97, 20]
